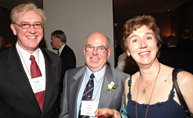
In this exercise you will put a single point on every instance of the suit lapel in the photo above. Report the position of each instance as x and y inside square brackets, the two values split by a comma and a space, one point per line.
[105, 98]
[50, 81]
[19, 78]
[75, 88]
[64, 50]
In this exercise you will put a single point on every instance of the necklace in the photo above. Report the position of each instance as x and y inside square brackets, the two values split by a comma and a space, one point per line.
[144, 88]
[150, 96]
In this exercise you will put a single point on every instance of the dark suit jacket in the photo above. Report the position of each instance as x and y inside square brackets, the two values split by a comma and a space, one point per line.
[68, 59]
[17, 98]
[72, 83]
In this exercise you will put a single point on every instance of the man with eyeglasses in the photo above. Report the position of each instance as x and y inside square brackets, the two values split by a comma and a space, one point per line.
[29, 75]
[94, 85]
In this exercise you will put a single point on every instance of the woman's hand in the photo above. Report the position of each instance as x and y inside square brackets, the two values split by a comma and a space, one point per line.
[107, 113]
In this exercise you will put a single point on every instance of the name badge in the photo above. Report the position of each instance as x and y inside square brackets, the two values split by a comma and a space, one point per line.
[37, 84]
[88, 108]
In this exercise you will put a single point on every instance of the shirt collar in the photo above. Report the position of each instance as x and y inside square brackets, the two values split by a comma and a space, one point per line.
[98, 75]
[60, 50]
[26, 55]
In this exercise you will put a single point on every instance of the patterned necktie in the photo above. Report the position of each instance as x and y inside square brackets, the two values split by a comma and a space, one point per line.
[35, 72]
[88, 92]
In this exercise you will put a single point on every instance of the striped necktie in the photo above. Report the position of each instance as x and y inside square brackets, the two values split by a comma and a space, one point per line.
[88, 92]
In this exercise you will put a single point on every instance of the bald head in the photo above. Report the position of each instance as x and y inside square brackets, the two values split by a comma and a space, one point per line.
[98, 35]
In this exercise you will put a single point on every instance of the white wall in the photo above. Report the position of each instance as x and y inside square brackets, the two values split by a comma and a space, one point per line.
[79, 18]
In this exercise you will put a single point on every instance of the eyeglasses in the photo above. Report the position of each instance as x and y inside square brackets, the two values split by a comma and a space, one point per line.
[99, 49]
[27, 25]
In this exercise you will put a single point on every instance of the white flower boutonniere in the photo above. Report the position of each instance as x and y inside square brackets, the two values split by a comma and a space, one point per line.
[111, 86]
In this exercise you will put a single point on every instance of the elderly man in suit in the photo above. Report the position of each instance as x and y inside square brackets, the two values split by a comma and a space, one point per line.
[59, 42]
[29, 76]
[82, 93]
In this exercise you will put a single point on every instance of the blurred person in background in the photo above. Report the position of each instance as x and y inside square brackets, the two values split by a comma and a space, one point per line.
[59, 42]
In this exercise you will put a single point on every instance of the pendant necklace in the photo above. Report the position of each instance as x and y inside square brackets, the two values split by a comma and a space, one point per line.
[144, 88]
[145, 91]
